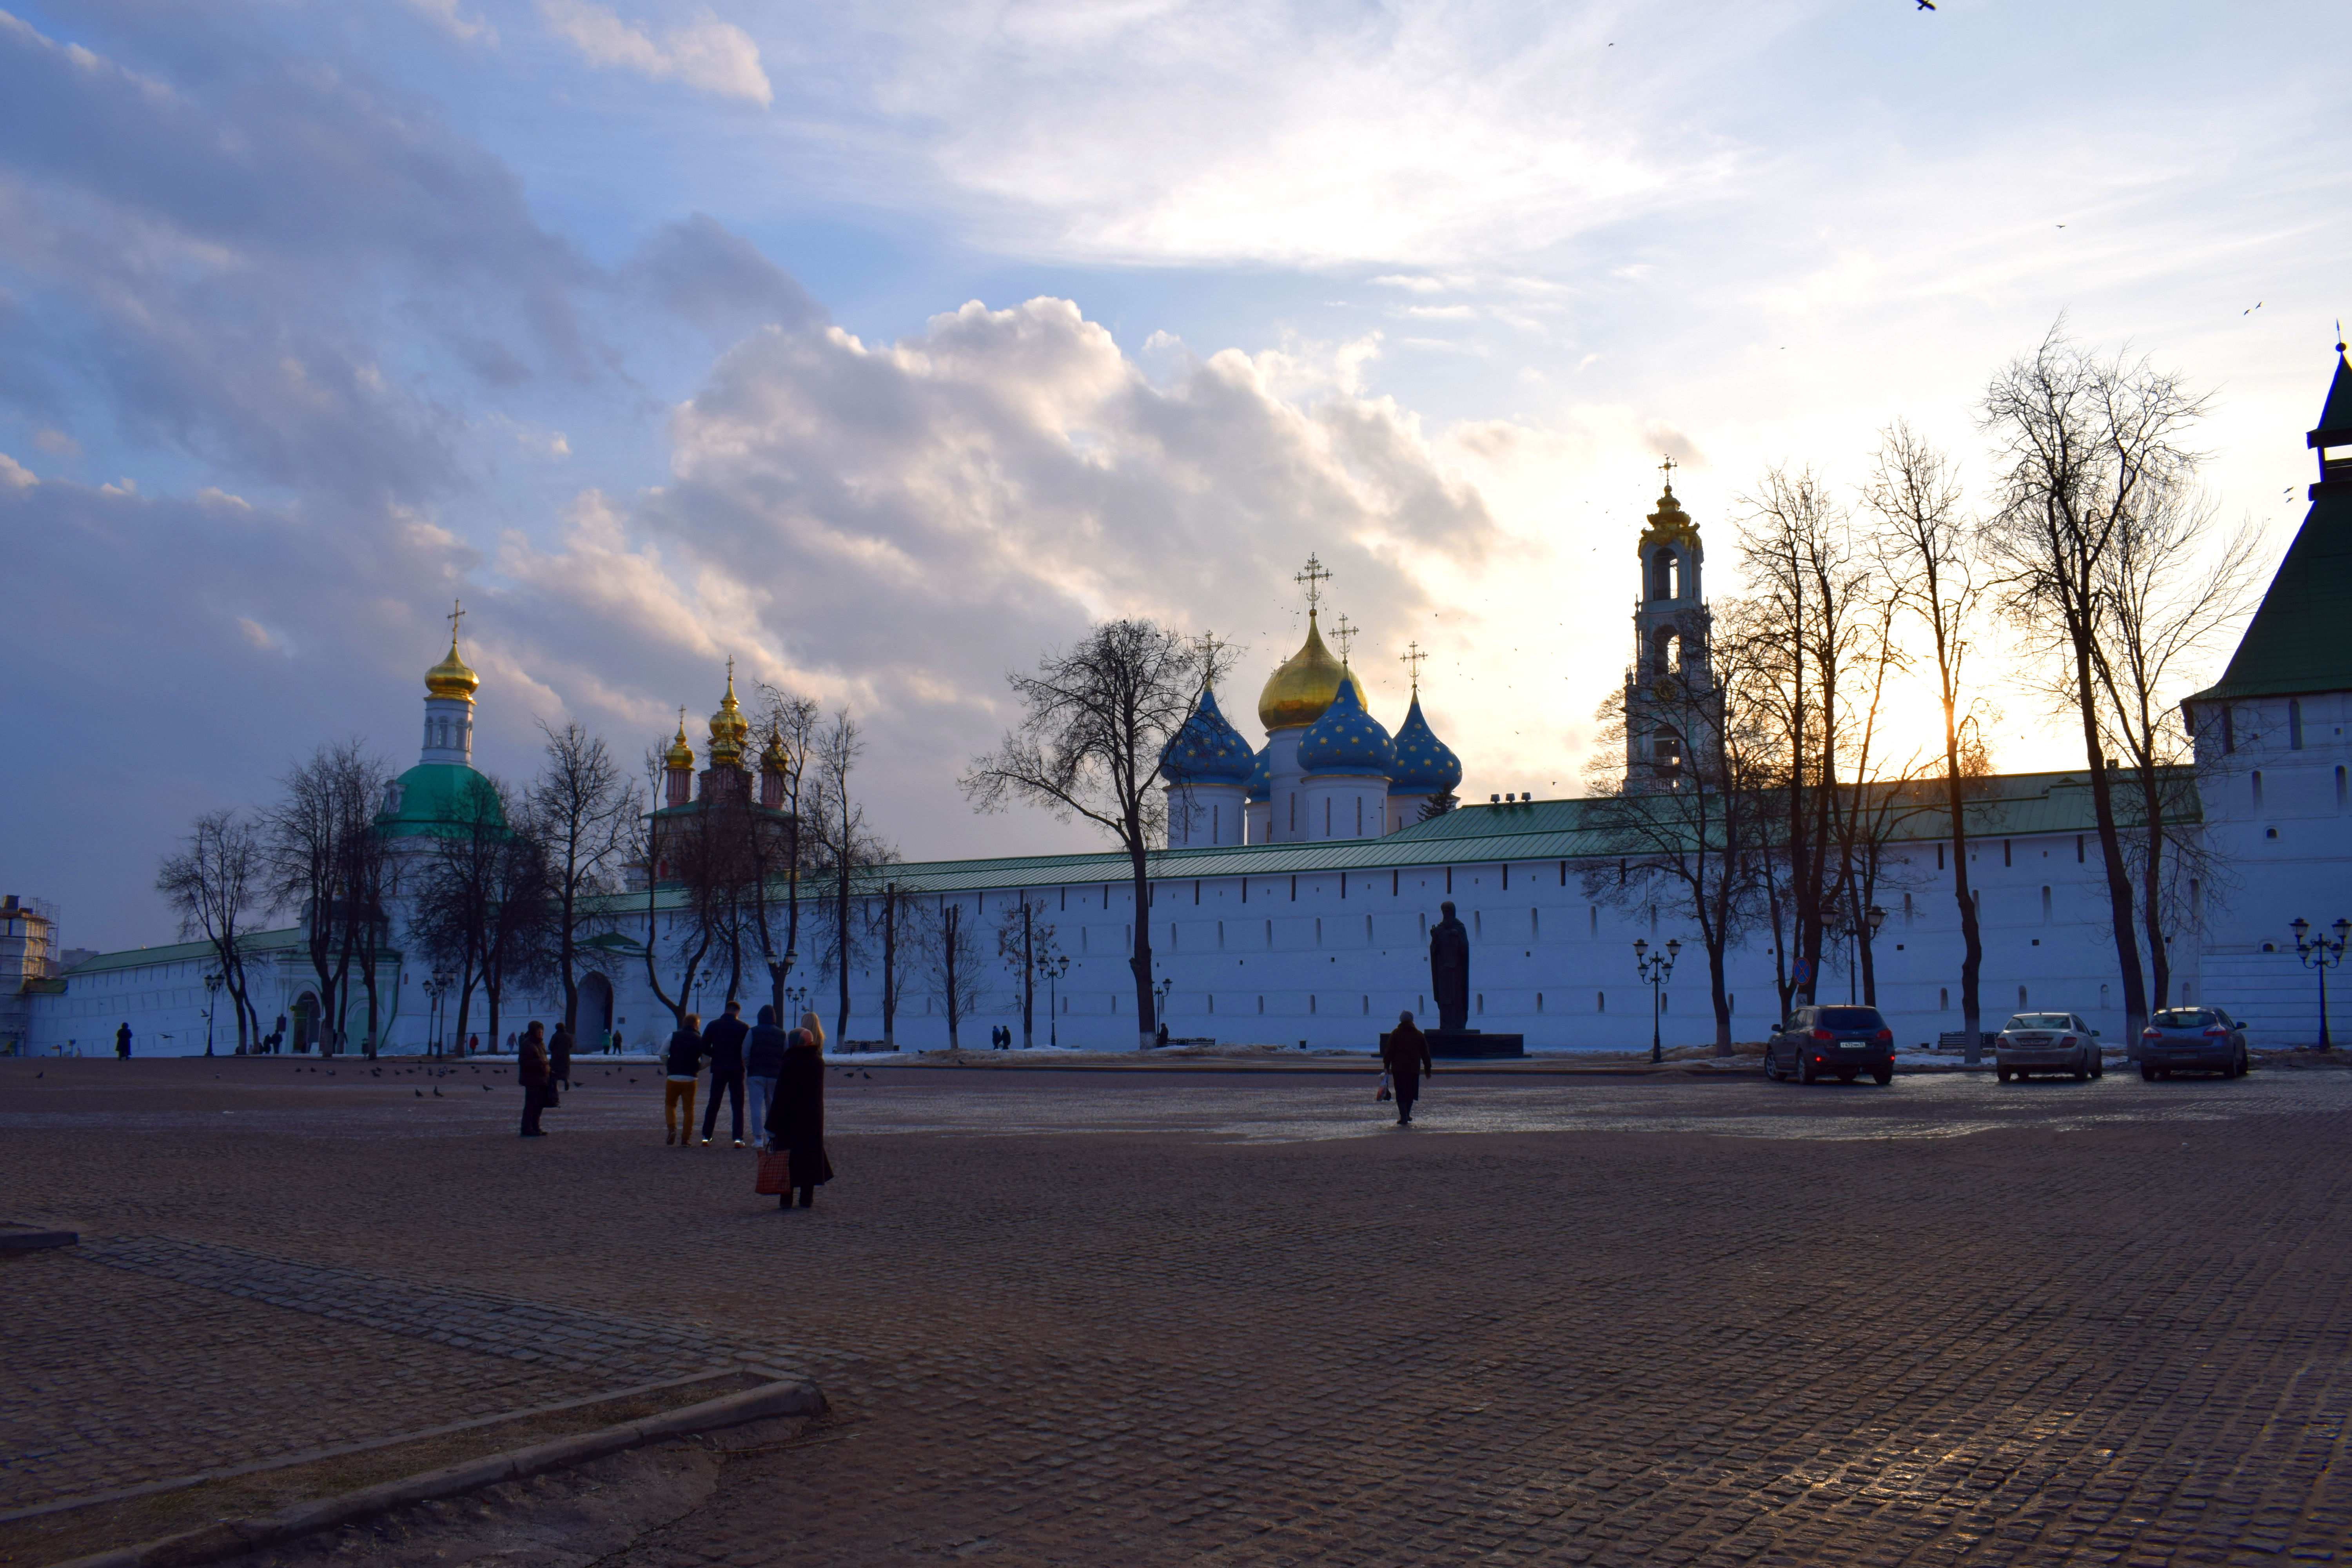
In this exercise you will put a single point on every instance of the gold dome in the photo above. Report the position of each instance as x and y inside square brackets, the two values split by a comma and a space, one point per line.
[774, 760]
[1670, 524]
[1305, 685]
[680, 756]
[451, 678]
[728, 728]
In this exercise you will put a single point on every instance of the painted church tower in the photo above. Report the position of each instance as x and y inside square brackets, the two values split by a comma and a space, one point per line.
[443, 794]
[1671, 624]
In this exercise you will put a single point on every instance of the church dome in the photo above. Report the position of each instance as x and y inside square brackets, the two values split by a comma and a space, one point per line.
[451, 677]
[680, 756]
[1424, 765]
[1347, 739]
[1207, 749]
[1260, 788]
[1299, 692]
[728, 728]
[774, 760]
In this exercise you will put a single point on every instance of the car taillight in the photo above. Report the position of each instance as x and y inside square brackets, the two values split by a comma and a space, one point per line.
[2067, 1040]
[2151, 1034]
[2215, 1031]
[1884, 1038]
[1824, 1035]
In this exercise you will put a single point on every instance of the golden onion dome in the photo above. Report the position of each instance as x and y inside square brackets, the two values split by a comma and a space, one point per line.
[774, 760]
[680, 756]
[1671, 524]
[451, 678]
[1299, 692]
[728, 728]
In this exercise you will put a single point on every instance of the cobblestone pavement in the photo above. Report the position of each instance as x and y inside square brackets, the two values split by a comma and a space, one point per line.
[1147, 1319]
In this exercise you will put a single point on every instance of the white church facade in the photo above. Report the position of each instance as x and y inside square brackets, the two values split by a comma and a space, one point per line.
[1293, 901]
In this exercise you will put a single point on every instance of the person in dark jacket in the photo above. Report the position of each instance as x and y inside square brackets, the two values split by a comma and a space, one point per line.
[723, 1042]
[684, 1063]
[763, 1062]
[122, 1041]
[1404, 1051]
[559, 1059]
[796, 1117]
[531, 1068]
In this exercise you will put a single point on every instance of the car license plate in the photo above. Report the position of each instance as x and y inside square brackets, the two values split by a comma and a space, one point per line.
[1852, 1045]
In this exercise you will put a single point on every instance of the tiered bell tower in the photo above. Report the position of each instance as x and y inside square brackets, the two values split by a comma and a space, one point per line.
[1671, 625]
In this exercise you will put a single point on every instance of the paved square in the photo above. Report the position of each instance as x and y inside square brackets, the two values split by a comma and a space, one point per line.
[1228, 1317]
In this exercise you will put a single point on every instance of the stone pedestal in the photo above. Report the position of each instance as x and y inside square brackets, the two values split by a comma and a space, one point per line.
[1458, 1044]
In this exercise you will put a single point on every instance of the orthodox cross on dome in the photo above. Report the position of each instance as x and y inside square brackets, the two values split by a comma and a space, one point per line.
[1668, 467]
[1411, 658]
[456, 614]
[1208, 645]
[1343, 632]
[1314, 577]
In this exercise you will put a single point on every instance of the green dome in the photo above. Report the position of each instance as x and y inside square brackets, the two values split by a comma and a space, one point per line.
[439, 799]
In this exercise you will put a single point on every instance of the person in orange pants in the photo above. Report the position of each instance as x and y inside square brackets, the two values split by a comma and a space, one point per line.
[685, 1065]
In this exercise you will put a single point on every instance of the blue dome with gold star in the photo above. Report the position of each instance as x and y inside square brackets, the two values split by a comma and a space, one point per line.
[1207, 749]
[1347, 739]
[1424, 765]
[1260, 788]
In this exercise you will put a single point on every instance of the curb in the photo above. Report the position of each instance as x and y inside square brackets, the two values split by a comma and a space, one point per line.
[15, 1237]
[232, 1537]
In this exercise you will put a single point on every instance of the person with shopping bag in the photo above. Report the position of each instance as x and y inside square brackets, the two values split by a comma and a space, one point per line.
[795, 1156]
[1404, 1052]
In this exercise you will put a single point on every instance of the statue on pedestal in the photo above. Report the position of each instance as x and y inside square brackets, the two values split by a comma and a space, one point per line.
[1449, 971]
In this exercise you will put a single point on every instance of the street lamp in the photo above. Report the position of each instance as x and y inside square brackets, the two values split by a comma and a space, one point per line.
[1053, 971]
[2318, 954]
[1655, 968]
[435, 987]
[1872, 919]
[1167, 983]
[212, 989]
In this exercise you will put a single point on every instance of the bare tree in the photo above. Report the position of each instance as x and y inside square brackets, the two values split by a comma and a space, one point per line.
[1694, 830]
[958, 978]
[212, 885]
[451, 889]
[2091, 448]
[791, 723]
[1927, 547]
[896, 923]
[1099, 716]
[583, 811]
[326, 861]
[679, 851]
[1025, 944]
[1810, 610]
[2166, 587]
[848, 857]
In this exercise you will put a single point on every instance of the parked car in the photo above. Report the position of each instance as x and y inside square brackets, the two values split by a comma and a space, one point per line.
[2046, 1042]
[2192, 1039]
[1846, 1041]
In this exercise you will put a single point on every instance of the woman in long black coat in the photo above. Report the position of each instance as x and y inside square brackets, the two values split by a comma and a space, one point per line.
[796, 1115]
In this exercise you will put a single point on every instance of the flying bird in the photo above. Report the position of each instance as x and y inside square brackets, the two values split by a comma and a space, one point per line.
[1926, 4]
[2257, 305]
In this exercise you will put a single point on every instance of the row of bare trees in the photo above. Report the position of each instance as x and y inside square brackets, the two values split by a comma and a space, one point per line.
[2097, 557]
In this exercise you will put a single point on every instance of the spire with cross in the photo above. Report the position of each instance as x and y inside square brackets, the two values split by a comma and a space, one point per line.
[456, 614]
[1668, 468]
[1314, 577]
[1411, 658]
[1343, 632]
[1208, 645]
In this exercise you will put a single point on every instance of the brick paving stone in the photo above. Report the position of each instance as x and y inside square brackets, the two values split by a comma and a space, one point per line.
[1157, 1319]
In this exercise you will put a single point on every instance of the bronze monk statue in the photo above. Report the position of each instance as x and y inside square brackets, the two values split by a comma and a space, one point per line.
[1449, 971]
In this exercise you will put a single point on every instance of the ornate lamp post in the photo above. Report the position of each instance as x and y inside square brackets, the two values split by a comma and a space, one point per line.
[1872, 918]
[1167, 983]
[1052, 972]
[212, 990]
[2318, 954]
[436, 987]
[1655, 968]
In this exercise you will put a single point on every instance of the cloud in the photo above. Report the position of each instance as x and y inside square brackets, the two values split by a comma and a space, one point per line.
[15, 476]
[705, 54]
[217, 264]
[57, 442]
[450, 17]
[719, 280]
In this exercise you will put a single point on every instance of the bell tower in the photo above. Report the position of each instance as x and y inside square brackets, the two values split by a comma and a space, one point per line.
[1670, 668]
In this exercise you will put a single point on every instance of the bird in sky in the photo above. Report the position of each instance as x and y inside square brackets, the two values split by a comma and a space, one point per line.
[1926, 4]
[2251, 310]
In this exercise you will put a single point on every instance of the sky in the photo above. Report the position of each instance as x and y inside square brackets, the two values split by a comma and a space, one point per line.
[882, 348]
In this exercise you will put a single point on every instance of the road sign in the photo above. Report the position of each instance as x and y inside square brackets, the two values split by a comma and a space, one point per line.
[1801, 973]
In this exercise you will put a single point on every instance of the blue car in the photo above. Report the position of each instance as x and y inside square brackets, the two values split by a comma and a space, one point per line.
[2192, 1039]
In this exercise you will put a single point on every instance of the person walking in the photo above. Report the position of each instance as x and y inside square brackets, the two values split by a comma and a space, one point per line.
[1405, 1053]
[723, 1042]
[796, 1115]
[531, 1069]
[559, 1061]
[123, 1042]
[685, 1065]
[764, 1063]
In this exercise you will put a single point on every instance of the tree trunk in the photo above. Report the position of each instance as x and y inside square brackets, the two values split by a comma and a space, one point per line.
[1028, 974]
[890, 969]
[2111, 852]
[1139, 962]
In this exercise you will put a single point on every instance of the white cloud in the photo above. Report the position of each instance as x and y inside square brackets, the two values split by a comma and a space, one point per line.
[450, 16]
[15, 476]
[706, 54]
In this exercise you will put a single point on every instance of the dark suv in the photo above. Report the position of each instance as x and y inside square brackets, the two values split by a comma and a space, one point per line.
[1848, 1041]
[2192, 1039]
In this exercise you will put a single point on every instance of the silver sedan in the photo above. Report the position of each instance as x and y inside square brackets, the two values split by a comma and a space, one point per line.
[2047, 1042]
